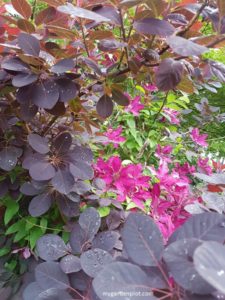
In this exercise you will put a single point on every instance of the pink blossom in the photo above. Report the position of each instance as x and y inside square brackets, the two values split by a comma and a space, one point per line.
[172, 114]
[135, 106]
[150, 87]
[125, 181]
[204, 166]
[25, 251]
[114, 136]
[170, 196]
[199, 139]
[163, 153]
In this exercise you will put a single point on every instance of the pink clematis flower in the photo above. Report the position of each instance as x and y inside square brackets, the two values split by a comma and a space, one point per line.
[114, 136]
[203, 164]
[172, 115]
[199, 139]
[135, 106]
[150, 87]
[125, 181]
[163, 153]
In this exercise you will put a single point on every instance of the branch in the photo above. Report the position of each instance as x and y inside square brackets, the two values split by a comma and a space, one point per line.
[189, 25]
[49, 125]
[161, 108]
[124, 36]
[84, 39]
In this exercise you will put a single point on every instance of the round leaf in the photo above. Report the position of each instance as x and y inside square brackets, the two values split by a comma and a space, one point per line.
[142, 240]
[154, 26]
[38, 143]
[68, 89]
[104, 106]
[49, 275]
[45, 94]
[93, 261]
[70, 264]
[121, 277]
[63, 181]
[63, 142]
[179, 257]
[90, 222]
[105, 240]
[40, 205]
[63, 65]
[51, 247]
[42, 171]
[24, 79]
[29, 44]
[209, 260]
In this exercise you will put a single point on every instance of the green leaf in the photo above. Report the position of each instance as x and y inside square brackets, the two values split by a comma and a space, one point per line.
[35, 234]
[30, 222]
[12, 208]
[19, 236]
[4, 251]
[104, 211]
[15, 227]
[43, 224]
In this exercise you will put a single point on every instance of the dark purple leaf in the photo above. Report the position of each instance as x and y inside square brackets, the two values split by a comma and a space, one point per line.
[45, 94]
[15, 64]
[114, 219]
[29, 44]
[209, 260]
[92, 261]
[179, 257]
[217, 69]
[32, 291]
[40, 205]
[63, 142]
[156, 278]
[49, 275]
[28, 111]
[63, 65]
[104, 106]
[154, 26]
[78, 239]
[206, 226]
[93, 65]
[142, 240]
[68, 89]
[169, 74]
[67, 207]
[58, 110]
[54, 294]
[81, 170]
[23, 94]
[110, 13]
[80, 281]
[42, 171]
[120, 278]
[38, 143]
[31, 159]
[63, 181]
[81, 153]
[75, 11]
[81, 187]
[28, 189]
[110, 45]
[70, 264]
[120, 98]
[51, 247]
[185, 47]
[178, 19]
[214, 201]
[105, 240]
[24, 79]
[90, 222]
[8, 158]
[73, 196]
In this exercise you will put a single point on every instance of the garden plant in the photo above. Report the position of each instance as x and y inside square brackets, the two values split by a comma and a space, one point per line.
[111, 149]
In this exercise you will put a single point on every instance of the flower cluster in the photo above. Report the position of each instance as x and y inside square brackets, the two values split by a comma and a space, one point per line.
[128, 182]
[171, 193]
[199, 139]
[114, 136]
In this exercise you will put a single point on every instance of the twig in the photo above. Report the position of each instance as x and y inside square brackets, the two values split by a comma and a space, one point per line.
[33, 10]
[124, 36]
[190, 24]
[161, 108]
[84, 39]
[49, 125]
